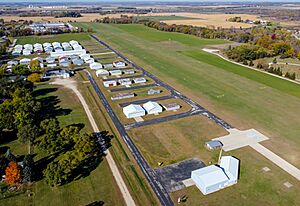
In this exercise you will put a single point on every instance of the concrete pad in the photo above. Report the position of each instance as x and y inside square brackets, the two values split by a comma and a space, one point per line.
[127, 86]
[266, 169]
[138, 119]
[156, 114]
[288, 184]
[237, 138]
[188, 182]
[105, 77]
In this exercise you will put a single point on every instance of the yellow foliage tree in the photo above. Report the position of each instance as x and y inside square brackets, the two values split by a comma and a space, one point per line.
[34, 77]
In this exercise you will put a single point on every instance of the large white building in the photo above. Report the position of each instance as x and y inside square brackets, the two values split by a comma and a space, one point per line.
[133, 110]
[152, 107]
[213, 178]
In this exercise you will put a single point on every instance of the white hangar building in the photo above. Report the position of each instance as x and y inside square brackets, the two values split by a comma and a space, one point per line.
[152, 107]
[133, 110]
[213, 178]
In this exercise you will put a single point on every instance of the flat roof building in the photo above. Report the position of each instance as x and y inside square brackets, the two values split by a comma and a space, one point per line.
[133, 110]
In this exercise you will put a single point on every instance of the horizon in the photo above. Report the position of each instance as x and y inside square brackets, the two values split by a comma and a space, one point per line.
[145, 1]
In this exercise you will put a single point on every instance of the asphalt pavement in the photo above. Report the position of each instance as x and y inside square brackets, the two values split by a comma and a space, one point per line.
[150, 174]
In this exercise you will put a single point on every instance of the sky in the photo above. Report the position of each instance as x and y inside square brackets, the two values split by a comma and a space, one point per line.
[106, 1]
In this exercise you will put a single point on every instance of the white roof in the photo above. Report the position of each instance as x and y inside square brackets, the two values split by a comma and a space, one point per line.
[115, 71]
[151, 105]
[133, 108]
[25, 60]
[101, 71]
[95, 65]
[211, 175]
[231, 166]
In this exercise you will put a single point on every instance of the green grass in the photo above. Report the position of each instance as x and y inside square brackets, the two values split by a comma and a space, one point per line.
[164, 18]
[280, 84]
[158, 36]
[98, 186]
[53, 38]
[244, 98]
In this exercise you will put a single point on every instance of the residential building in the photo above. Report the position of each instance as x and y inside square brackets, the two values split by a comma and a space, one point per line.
[133, 110]
[25, 61]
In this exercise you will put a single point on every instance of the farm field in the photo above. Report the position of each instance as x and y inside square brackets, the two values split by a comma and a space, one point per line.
[69, 111]
[244, 98]
[194, 19]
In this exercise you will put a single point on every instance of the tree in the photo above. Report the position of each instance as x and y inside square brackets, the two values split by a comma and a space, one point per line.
[13, 173]
[7, 115]
[26, 107]
[34, 66]
[54, 174]
[28, 134]
[35, 77]
[10, 156]
[28, 168]
[20, 70]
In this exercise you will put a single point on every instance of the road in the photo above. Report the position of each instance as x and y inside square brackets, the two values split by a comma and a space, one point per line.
[115, 171]
[150, 174]
[133, 87]
[173, 92]
[142, 101]
[215, 52]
